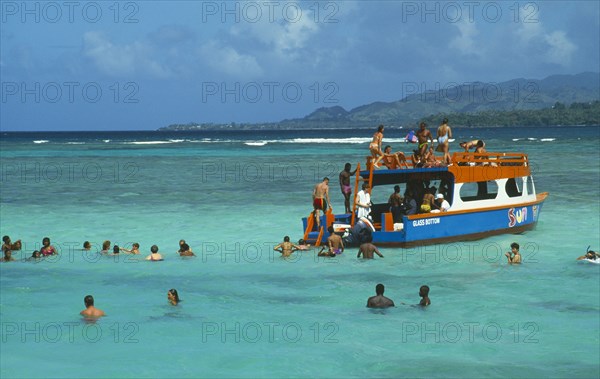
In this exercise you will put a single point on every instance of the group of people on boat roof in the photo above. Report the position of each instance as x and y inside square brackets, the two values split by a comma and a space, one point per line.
[424, 154]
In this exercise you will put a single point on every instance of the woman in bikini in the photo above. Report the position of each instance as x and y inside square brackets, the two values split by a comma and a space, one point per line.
[375, 146]
[47, 249]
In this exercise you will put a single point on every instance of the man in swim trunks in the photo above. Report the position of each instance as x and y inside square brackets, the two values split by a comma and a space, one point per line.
[423, 137]
[90, 311]
[375, 146]
[321, 199]
[379, 301]
[345, 185]
[334, 241]
[286, 248]
[444, 133]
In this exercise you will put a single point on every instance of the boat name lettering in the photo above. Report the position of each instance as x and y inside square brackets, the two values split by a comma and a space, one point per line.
[516, 216]
[426, 221]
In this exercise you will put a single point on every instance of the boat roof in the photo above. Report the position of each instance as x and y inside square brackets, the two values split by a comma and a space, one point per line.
[464, 167]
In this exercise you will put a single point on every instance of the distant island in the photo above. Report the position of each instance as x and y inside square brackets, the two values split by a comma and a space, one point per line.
[553, 101]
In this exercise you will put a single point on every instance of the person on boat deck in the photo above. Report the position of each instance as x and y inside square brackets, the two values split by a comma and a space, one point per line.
[424, 293]
[590, 255]
[375, 146]
[90, 311]
[395, 203]
[345, 185]
[393, 160]
[428, 200]
[363, 201]
[444, 133]
[154, 255]
[367, 249]
[513, 256]
[440, 204]
[410, 203]
[430, 159]
[423, 137]
[379, 301]
[286, 248]
[471, 144]
[321, 199]
[415, 158]
[8, 245]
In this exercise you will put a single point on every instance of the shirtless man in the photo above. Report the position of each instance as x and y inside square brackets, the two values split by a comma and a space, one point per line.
[379, 301]
[513, 256]
[286, 248]
[345, 185]
[393, 160]
[423, 137]
[375, 146]
[444, 133]
[367, 249]
[90, 311]
[336, 245]
[321, 199]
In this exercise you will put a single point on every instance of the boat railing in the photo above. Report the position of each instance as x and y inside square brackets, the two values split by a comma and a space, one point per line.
[490, 159]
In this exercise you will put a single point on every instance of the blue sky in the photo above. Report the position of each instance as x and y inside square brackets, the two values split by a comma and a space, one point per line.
[133, 65]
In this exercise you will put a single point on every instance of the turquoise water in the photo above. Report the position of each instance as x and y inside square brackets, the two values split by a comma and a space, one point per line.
[248, 313]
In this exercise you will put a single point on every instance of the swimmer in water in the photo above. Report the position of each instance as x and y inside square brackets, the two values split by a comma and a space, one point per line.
[154, 255]
[90, 311]
[135, 249]
[424, 293]
[379, 301]
[513, 256]
[173, 296]
[589, 255]
[47, 249]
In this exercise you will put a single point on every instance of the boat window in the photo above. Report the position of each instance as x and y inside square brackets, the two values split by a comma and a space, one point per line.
[530, 189]
[512, 189]
[478, 191]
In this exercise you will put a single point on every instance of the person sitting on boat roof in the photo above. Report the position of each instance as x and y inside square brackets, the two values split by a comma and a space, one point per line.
[393, 160]
[431, 161]
[367, 249]
[513, 256]
[424, 136]
[440, 204]
[416, 159]
[375, 146]
[379, 301]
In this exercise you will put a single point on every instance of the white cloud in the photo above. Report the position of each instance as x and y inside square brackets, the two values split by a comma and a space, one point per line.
[227, 60]
[560, 48]
[122, 60]
[465, 42]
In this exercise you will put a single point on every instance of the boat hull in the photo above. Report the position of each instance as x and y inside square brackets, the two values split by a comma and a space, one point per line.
[436, 228]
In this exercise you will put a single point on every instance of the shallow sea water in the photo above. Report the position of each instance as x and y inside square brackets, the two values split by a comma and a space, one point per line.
[248, 313]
